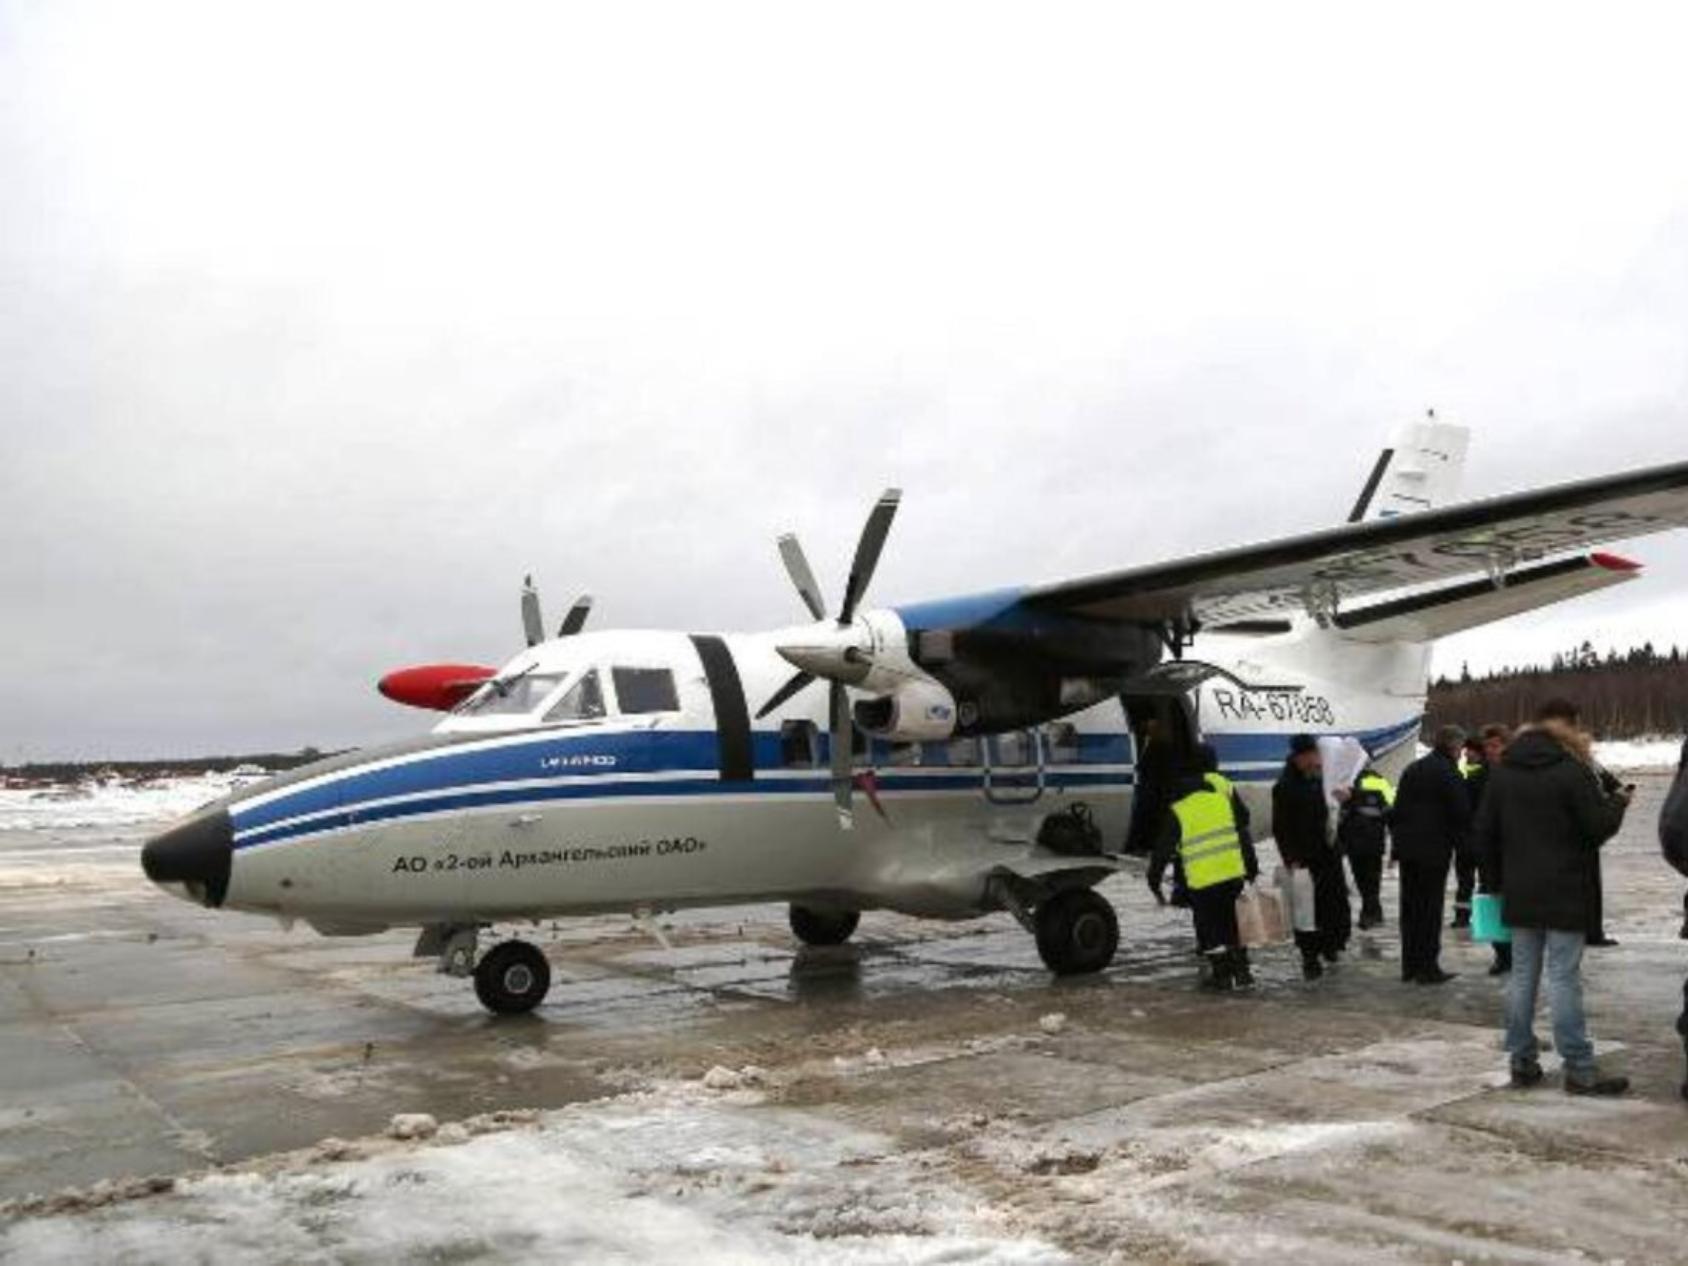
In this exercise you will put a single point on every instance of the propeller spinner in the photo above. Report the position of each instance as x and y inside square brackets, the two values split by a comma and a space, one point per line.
[832, 649]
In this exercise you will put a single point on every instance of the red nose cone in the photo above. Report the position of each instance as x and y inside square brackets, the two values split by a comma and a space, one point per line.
[439, 687]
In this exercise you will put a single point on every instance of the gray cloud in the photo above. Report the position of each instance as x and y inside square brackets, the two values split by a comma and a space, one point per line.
[317, 333]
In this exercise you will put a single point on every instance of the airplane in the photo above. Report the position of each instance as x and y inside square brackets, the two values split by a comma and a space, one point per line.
[946, 759]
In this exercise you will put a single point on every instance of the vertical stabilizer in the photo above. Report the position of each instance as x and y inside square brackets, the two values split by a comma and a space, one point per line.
[1419, 470]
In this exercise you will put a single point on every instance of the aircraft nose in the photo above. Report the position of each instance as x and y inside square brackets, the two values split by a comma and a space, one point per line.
[192, 859]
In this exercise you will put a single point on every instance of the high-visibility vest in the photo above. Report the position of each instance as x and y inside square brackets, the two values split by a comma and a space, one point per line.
[1219, 783]
[1209, 847]
[1378, 783]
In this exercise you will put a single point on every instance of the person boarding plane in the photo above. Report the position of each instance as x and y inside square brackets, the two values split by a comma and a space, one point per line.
[946, 758]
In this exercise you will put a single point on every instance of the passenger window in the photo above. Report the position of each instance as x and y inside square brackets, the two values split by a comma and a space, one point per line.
[800, 745]
[964, 752]
[903, 754]
[1062, 738]
[640, 690]
[1012, 749]
[583, 702]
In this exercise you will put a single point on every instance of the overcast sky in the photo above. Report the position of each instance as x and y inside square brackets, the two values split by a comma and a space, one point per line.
[321, 324]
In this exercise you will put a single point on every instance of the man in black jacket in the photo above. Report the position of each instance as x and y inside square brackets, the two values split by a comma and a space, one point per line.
[1301, 827]
[1432, 816]
[1673, 839]
[1538, 835]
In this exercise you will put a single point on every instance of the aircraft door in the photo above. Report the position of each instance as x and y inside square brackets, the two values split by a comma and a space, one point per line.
[1014, 767]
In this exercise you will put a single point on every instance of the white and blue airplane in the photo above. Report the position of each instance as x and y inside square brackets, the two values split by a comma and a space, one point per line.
[941, 758]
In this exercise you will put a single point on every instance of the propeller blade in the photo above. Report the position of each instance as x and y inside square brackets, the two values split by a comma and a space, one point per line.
[575, 620]
[802, 575]
[533, 624]
[838, 717]
[796, 682]
[872, 541]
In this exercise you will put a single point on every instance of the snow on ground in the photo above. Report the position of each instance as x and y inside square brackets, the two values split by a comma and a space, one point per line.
[111, 800]
[1645, 753]
[676, 1174]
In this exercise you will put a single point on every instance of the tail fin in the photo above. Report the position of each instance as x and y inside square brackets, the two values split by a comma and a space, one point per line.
[1419, 470]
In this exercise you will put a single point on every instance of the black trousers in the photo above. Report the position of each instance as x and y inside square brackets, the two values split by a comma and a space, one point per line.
[1424, 888]
[1367, 864]
[1330, 908]
[1215, 912]
[1465, 878]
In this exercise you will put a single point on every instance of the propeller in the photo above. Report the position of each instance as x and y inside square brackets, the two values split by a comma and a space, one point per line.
[842, 663]
[533, 620]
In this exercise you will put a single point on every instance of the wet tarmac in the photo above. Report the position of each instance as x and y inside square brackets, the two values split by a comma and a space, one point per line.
[1352, 1119]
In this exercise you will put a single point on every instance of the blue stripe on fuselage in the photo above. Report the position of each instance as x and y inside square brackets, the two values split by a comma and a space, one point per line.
[567, 765]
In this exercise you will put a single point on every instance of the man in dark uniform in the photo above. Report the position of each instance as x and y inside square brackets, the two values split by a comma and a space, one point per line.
[1474, 768]
[1362, 831]
[1156, 767]
[1206, 832]
[1432, 818]
[1301, 827]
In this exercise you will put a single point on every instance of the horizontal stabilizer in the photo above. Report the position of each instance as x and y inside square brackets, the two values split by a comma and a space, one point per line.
[1423, 617]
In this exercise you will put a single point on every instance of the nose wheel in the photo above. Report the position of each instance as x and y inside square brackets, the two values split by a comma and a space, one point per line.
[512, 977]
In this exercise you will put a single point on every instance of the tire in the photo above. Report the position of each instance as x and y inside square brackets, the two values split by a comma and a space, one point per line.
[512, 978]
[1077, 932]
[823, 927]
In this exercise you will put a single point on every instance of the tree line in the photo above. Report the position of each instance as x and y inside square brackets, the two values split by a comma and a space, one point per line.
[1636, 693]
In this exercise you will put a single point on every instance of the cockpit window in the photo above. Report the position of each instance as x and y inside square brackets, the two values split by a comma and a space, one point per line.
[645, 690]
[583, 702]
[521, 694]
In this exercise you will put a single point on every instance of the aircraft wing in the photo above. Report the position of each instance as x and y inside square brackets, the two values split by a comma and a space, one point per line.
[1320, 571]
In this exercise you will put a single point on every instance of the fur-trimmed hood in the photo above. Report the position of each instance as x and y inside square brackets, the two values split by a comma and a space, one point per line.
[1546, 743]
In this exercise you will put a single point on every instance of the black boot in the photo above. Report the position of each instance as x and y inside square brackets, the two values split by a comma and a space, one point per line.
[1218, 976]
[1311, 967]
[1240, 971]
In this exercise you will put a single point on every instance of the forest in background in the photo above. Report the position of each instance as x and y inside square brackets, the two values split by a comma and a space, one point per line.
[1638, 693]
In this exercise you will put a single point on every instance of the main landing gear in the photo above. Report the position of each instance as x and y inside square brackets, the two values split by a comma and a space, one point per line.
[823, 927]
[1076, 930]
[511, 978]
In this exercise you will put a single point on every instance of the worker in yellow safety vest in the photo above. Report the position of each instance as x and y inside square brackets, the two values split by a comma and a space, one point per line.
[1206, 833]
[1362, 834]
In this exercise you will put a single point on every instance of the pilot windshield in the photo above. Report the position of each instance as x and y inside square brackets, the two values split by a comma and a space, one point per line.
[515, 697]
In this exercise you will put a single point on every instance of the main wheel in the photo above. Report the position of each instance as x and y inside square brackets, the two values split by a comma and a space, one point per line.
[512, 977]
[1077, 932]
[823, 927]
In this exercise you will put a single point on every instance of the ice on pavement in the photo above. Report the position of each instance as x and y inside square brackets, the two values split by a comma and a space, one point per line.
[664, 1176]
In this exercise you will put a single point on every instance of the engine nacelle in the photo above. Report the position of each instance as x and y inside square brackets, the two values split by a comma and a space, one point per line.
[915, 712]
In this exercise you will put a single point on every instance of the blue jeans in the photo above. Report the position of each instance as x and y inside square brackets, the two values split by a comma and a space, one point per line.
[1563, 951]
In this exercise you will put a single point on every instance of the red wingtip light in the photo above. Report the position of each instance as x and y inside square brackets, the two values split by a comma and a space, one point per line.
[437, 687]
[1614, 562]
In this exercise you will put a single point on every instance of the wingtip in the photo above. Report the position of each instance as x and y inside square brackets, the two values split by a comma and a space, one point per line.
[1613, 562]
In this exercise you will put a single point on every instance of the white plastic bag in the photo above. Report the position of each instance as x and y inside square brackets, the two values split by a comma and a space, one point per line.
[1296, 887]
